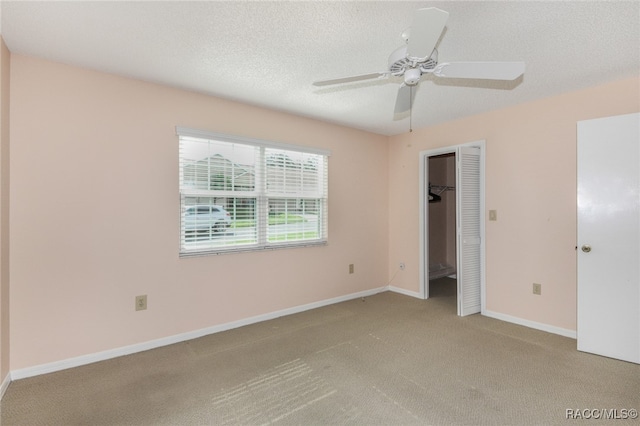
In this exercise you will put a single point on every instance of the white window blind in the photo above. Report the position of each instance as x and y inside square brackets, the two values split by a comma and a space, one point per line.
[240, 194]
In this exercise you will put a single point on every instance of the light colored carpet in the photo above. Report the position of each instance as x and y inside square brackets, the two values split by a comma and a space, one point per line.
[388, 359]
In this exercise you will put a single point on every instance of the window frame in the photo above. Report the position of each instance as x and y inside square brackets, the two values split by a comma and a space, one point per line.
[262, 195]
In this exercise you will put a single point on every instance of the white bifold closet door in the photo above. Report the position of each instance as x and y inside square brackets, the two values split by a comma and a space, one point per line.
[469, 266]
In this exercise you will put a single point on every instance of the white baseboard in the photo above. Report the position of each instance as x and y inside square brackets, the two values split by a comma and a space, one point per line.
[145, 346]
[140, 347]
[5, 385]
[405, 292]
[531, 324]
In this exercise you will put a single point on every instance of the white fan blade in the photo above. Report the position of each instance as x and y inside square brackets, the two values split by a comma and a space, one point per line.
[426, 29]
[404, 100]
[480, 70]
[351, 79]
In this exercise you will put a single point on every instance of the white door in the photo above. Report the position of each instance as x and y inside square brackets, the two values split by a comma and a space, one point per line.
[609, 237]
[469, 268]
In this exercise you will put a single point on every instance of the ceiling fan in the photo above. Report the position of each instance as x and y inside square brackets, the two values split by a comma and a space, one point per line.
[419, 57]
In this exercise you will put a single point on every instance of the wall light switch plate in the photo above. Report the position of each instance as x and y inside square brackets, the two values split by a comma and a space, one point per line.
[493, 215]
[141, 302]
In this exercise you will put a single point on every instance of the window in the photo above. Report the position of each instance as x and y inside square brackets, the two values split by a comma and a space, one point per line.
[239, 194]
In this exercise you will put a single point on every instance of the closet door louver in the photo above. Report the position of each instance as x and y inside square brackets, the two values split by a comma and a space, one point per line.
[469, 254]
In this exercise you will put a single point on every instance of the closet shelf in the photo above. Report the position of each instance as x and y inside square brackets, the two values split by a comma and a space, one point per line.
[439, 189]
[439, 270]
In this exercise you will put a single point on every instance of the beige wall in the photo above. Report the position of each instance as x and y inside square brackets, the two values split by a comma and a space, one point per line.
[94, 215]
[530, 181]
[4, 211]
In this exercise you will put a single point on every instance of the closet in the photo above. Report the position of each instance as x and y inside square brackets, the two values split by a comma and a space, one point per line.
[452, 225]
[442, 216]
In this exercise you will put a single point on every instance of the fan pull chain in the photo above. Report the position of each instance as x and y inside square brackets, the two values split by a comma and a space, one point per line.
[410, 109]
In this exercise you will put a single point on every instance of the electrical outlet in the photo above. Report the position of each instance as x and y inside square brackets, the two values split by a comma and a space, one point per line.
[537, 289]
[402, 266]
[141, 302]
[351, 268]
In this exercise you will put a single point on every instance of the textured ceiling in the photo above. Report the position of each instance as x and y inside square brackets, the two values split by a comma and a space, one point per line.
[269, 53]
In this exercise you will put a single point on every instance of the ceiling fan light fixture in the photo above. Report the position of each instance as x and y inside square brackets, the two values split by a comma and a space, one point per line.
[412, 76]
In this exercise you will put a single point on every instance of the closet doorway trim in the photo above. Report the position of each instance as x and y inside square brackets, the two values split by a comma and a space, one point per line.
[423, 213]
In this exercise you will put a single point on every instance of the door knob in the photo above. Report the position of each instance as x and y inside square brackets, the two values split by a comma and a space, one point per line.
[586, 248]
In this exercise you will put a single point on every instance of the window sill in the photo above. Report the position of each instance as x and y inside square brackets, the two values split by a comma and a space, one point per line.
[247, 249]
